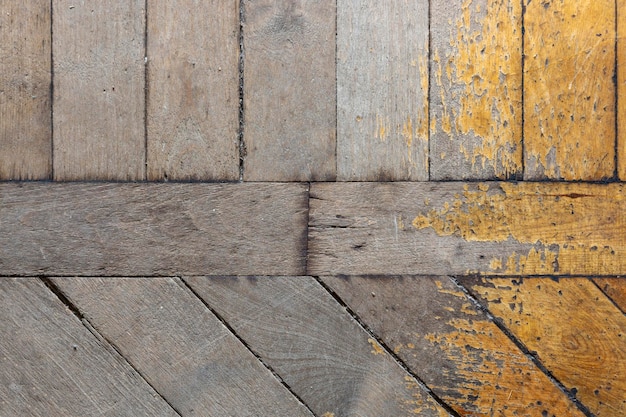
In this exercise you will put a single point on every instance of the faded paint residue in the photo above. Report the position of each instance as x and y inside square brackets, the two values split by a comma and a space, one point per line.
[376, 348]
[328, 414]
[418, 406]
[381, 128]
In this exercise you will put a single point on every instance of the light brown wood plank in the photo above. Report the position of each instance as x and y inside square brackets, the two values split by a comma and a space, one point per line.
[621, 89]
[461, 228]
[576, 332]
[453, 346]
[289, 90]
[193, 90]
[152, 229]
[615, 289]
[25, 107]
[99, 129]
[316, 347]
[569, 90]
[52, 365]
[382, 90]
[180, 347]
[476, 93]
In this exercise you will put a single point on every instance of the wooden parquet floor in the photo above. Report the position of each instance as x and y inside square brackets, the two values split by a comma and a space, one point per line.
[327, 208]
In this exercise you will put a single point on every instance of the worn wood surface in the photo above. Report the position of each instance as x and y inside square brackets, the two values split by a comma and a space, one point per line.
[621, 88]
[569, 90]
[461, 228]
[453, 346]
[52, 365]
[290, 90]
[193, 90]
[476, 93]
[152, 229]
[317, 348]
[382, 90]
[180, 347]
[25, 82]
[585, 350]
[615, 289]
[99, 129]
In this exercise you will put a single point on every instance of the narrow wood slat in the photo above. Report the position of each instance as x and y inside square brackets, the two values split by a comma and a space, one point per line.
[99, 131]
[615, 289]
[289, 90]
[382, 90]
[180, 347]
[476, 93]
[318, 349]
[584, 347]
[621, 88]
[193, 90]
[452, 345]
[25, 107]
[152, 229]
[460, 228]
[569, 90]
[52, 365]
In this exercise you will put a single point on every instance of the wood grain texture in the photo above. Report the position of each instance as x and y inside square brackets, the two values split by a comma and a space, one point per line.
[289, 90]
[453, 346]
[569, 90]
[152, 229]
[317, 348]
[476, 94]
[382, 90]
[193, 90]
[615, 289]
[25, 82]
[52, 365]
[621, 88]
[99, 81]
[180, 347]
[461, 228]
[584, 348]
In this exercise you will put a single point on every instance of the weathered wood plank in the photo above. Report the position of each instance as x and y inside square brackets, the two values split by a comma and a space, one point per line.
[289, 90]
[99, 131]
[459, 228]
[476, 94]
[193, 90]
[615, 289]
[621, 88]
[382, 90]
[583, 347]
[452, 345]
[25, 107]
[316, 347]
[152, 229]
[180, 347]
[52, 365]
[569, 90]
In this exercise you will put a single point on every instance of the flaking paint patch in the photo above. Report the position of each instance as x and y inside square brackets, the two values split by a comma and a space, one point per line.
[418, 406]
[376, 348]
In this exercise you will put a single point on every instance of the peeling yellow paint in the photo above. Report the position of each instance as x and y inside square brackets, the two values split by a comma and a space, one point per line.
[328, 414]
[376, 348]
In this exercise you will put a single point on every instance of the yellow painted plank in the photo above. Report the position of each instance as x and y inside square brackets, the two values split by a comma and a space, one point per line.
[621, 87]
[569, 90]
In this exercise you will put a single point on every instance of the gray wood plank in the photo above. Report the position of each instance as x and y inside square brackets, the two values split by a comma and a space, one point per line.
[382, 90]
[453, 346]
[467, 228]
[99, 81]
[476, 90]
[180, 347]
[193, 90]
[25, 106]
[152, 229]
[53, 366]
[289, 90]
[316, 347]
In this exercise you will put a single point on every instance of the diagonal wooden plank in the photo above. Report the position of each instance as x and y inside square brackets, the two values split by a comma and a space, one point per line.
[152, 229]
[25, 83]
[318, 349]
[452, 345]
[50, 364]
[459, 228]
[615, 289]
[180, 347]
[575, 330]
[382, 90]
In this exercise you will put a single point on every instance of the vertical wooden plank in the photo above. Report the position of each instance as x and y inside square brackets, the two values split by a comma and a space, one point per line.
[476, 89]
[621, 88]
[289, 90]
[98, 118]
[382, 90]
[569, 90]
[25, 107]
[193, 90]
[615, 289]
